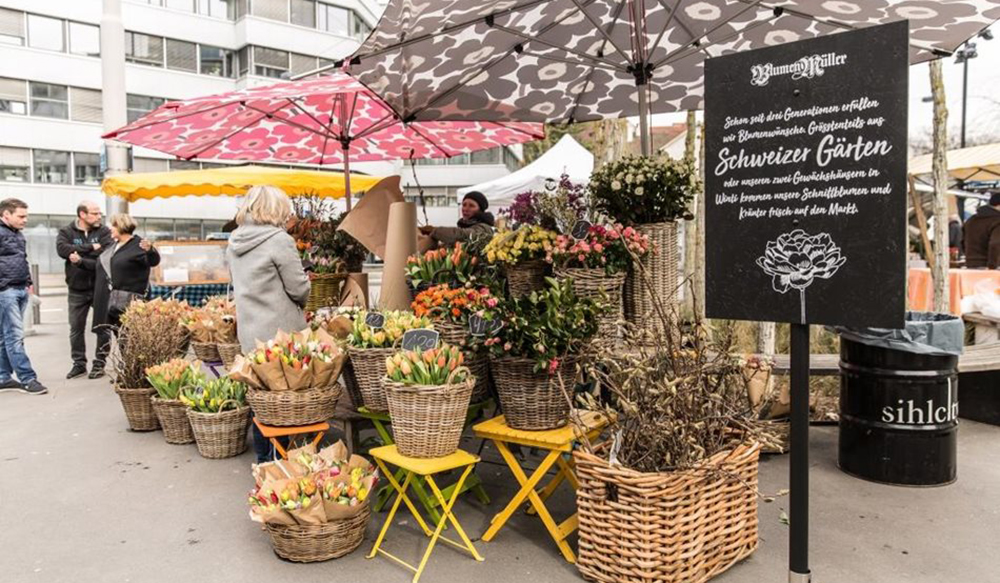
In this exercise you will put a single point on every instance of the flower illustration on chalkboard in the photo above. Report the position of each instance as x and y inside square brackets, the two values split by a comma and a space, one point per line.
[796, 259]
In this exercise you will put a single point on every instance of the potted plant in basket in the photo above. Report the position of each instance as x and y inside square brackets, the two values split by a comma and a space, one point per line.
[149, 333]
[557, 207]
[219, 416]
[455, 266]
[522, 253]
[649, 194]
[368, 346]
[429, 394]
[536, 352]
[169, 379]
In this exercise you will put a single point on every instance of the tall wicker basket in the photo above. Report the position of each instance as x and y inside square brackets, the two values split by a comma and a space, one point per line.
[291, 408]
[526, 277]
[325, 291]
[138, 408]
[594, 283]
[368, 365]
[672, 527]
[220, 435]
[532, 401]
[320, 542]
[661, 270]
[427, 421]
[228, 353]
[206, 351]
[174, 420]
[477, 361]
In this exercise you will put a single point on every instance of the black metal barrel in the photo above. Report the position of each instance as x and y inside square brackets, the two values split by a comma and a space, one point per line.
[898, 415]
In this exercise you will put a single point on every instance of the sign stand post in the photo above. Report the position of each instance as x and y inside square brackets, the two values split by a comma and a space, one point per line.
[798, 540]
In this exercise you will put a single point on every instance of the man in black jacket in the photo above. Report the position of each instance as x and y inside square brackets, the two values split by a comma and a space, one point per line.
[80, 243]
[15, 281]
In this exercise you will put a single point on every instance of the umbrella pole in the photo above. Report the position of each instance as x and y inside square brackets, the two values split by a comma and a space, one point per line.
[347, 178]
[644, 144]
[798, 536]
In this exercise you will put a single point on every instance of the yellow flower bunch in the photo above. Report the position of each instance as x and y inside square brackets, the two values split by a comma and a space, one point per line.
[396, 323]
[526, 243]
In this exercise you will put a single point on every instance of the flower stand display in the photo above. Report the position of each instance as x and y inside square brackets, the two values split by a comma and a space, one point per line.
[138, 408]
[533, 401]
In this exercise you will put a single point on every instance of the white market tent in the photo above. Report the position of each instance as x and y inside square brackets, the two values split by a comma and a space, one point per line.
[567, 156]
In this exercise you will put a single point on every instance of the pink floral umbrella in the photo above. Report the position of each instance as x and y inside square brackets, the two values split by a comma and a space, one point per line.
[326, 120]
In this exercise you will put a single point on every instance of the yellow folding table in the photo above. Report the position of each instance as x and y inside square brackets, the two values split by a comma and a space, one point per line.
[425, 469]
[558, 442]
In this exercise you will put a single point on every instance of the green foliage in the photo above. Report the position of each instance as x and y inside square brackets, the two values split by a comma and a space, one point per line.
[217, 395]
[636, 189]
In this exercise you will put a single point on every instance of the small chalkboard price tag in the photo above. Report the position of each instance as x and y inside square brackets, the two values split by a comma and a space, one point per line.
[420, 339]
[580, 229]
[375, 320]
[480, 326]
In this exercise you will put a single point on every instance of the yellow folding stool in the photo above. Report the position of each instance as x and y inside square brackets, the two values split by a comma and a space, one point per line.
[425, 468]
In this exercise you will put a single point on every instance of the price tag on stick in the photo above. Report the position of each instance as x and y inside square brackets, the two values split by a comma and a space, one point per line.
[375, 320]
[420, 339]
[580, 229]
[479, 326]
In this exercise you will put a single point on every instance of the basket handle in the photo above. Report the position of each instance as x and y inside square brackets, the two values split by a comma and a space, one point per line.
[452, 374]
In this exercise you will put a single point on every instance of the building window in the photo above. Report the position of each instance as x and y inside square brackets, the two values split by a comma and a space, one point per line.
[49, 100]
[149, 165]
[86, 169]
[15, 164]
[139, 105]
[51, 167]
[13, 96]
[270, 9]
[460, 160]
[11, 27]
[217, 61]
[85, 105]
[84, 39]
[144, 49]
[184, 165]
[304, 13]
[243, 58]
[269, 62]
[46, 33]
[359, 28]
[158, 229]
[182, 56]
[491, 156]
[302, 64]
[184, 5]
[218, 8]
[333, 19]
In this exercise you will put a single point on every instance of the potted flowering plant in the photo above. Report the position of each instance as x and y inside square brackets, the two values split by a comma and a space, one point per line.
[368, 346]
[649, 194]
[522, 253]
[541, 340]
[219, 417]
[597, 264]
[557, 207]
[428, 394]
[169, 379]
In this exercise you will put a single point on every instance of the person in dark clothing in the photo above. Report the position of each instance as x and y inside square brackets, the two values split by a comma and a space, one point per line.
[475, 222]
[955, 236]
[15, 285]
[123, 267]
[80, 243]
[982, 236]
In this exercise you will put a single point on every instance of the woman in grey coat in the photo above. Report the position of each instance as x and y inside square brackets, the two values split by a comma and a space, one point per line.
[269, 285]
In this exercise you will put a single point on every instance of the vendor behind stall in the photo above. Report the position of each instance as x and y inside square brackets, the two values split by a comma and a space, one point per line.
[982, 236]
[475, 223]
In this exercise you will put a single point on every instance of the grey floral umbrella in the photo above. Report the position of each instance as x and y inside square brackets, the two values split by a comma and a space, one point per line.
[581, 60]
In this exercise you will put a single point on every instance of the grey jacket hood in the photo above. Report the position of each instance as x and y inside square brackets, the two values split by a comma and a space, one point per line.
[250, 236]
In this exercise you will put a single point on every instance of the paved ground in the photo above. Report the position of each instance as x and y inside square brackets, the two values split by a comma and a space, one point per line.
[83, 500]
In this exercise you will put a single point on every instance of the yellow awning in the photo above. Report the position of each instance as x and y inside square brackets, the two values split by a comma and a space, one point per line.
[232, 181]
[975, 163]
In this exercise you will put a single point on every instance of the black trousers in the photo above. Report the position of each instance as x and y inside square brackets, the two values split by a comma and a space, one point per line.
[80, 303]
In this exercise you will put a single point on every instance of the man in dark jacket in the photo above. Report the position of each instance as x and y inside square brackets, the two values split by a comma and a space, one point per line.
[982, 236]
[15, 279]
[80, 243]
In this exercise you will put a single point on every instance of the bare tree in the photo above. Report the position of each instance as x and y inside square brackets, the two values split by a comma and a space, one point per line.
[940, 173]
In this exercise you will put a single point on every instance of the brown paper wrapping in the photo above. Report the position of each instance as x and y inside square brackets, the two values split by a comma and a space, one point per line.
[314, 514]
[401, 243]
[243, 372]
[334, 454]
[368, 221]
[340, 327]
[275, 516]
[268, 473]
[298, 379]
[354, 294]
[335, 511]
[271, 375]
[327, 373]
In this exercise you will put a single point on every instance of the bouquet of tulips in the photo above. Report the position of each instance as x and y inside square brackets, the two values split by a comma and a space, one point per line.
[445, 265]
[396, 323]
[217, 395]
[306, 359]
[170, 377]
[443, 302]
[432, 367]
[607, 247]
[526, 243]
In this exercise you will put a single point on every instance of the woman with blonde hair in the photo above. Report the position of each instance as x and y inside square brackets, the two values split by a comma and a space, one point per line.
[122, 273]
[270, 287]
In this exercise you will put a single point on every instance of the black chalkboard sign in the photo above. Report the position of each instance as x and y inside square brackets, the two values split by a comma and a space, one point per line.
[375, 320]
[805, 175]
[479, 326]
[580, 229]
[420, 339]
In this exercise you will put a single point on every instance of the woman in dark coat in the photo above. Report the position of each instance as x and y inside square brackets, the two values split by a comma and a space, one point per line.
[475, 223]
[123, 266]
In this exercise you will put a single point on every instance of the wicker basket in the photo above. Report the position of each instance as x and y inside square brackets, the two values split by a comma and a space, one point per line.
[220, 435]
[138, 408]
[532, 401]
[320, 542]
[677, 527]
[427, 421]
[351, 383]
[228, 353]
[594, 283]
[206, 351]
[526, 277]
[479, 366]
[174, 420]
[661, 270]
[185, 344]
[369, 368]
[291, 408]
[451, 332]
[325, 291]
